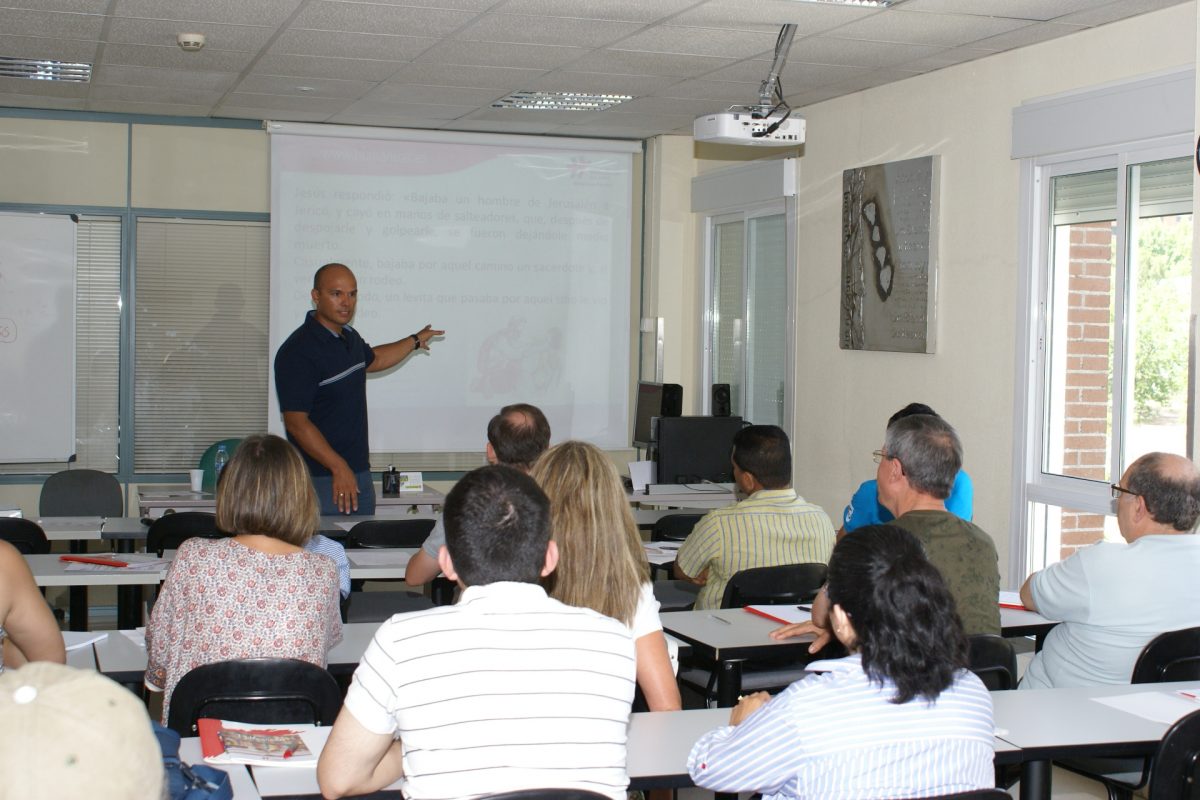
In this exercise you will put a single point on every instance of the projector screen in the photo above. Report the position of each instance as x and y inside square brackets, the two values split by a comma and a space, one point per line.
[518, 246]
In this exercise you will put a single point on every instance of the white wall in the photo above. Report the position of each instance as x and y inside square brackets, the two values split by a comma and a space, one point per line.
[962, 113]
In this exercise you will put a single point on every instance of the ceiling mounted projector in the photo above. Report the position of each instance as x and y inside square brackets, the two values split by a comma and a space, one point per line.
[769, 123]
[745, 125]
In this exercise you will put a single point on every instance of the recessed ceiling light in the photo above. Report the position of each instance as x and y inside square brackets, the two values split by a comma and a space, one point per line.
[43, 70]
[560, 101]
[306, 88]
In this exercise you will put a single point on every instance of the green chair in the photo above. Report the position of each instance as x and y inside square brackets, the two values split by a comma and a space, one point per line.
[207, 461]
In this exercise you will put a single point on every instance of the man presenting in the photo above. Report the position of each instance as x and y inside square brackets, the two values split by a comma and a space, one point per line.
[506, 690]
[1113, 598]
[320, 376]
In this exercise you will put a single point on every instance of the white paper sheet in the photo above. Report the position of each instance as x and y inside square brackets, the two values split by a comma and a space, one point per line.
[74, 640]
[1164, 707]
[379, 558]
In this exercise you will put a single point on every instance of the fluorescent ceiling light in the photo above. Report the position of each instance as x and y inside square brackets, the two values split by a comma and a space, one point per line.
[560, 101]
[43, 70]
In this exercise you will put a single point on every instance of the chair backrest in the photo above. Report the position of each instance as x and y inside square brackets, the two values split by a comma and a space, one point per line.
[25, 535]
[1175, 774]
[790, 583]
[1171, 656]
[389, 533]
[674, 527]
[255, 690]
[976, 794]
[171, 530]
[546, 794]
[993, 659]
[208, 461]
[81, 493]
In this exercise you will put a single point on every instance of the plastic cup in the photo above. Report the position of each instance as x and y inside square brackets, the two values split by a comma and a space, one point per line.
[197, 479]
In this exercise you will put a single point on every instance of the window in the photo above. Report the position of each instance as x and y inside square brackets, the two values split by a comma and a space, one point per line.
[1110, 372]
[749, 335]
[200, 356]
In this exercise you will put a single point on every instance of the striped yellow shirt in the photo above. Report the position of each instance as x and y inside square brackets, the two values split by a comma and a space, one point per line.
[771, 527]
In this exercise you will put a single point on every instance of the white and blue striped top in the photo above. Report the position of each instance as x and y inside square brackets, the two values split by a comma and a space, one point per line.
[837, 735]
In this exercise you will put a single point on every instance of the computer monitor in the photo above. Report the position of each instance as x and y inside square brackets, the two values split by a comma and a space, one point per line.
[647, 406]
[696, 449]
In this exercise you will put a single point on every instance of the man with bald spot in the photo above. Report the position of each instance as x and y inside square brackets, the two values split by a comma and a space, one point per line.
[1114, 597]
[320, 376]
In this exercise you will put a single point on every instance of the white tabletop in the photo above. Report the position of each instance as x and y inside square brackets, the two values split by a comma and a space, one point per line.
[67, 528]
[379, 563]
[153, 500]
[693, 496]
[727, 629]
[48, 570]
[239, 775]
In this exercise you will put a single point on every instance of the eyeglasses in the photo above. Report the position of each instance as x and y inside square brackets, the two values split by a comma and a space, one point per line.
[1118, 490]
[879, 456]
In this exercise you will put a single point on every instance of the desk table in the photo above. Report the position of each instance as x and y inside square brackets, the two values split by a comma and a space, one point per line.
[48, 570]
[689, 496]
[154, 501]
[1019, 622]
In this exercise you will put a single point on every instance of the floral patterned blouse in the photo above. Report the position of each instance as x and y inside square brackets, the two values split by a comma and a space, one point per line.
[223, 600]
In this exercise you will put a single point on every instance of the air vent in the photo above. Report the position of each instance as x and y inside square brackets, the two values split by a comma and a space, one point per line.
[42, 70]
[560, 101]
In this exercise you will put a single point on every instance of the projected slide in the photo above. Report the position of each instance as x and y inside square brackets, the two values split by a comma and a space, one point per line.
[521, 253]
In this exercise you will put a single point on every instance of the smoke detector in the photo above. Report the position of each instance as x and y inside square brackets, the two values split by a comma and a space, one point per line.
[190, 42]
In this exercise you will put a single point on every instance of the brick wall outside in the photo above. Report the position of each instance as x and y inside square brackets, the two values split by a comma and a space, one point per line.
[1089, 371]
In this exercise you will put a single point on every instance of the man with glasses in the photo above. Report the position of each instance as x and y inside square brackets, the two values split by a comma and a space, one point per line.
[1113, 598]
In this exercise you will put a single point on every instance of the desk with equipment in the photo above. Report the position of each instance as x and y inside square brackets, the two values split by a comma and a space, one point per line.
[154, 501]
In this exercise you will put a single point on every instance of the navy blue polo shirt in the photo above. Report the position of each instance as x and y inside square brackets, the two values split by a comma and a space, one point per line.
[325, 375]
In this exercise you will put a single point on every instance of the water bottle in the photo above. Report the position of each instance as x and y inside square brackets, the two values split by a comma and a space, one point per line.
[219, 462]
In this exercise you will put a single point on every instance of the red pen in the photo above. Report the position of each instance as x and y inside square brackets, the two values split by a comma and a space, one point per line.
[106, 562]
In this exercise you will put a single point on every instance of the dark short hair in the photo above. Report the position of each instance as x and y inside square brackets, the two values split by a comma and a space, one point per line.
[265, 488]
[903, 614]
[519, 435]
[497, 526]
[323, 269]
[911, 410]
[929, 450]
[1171, 499]
[765, 452]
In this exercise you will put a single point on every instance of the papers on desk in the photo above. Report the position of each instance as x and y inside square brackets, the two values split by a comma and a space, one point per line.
[126, 562]
[1164, 707]
[71, 523]
[661, 552]
[137, 636]
[1011, 600]
[783, 614]
[224, 742]
[75, 640]
[377, 558]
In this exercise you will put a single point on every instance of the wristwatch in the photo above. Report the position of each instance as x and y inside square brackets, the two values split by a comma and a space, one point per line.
[416, 341]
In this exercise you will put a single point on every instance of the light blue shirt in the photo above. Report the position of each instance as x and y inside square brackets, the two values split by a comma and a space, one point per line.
[327, 547]
[838, 735]
[865, 509]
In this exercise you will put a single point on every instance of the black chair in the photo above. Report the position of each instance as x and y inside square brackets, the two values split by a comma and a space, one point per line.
[546, 794]
[25, 535]
[977, 794]
[364, 606]
[171, 530]
[379, 533]
[81, 493]
[993, 659]
[788, 583]
[1176, 771]
[673, 595]
[255, 690]
[674, 527]
[1171, 656]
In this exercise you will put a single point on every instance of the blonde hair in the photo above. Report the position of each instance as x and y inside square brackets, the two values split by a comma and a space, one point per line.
[265, 488]
[602, 564]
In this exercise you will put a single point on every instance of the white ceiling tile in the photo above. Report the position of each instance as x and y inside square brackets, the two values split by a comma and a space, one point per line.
[459, 5]
[620, 10]
[911, 27]
[948, 58]
[163, 32]
[26, 86]
[593, 130]
[279, 102]
[538, 117]
[77, 50]
[618, 119]
[748, 71]
[1016, 9]
[712, 91]
[108, 75]
[350, 69]
[668, 105]
[501, 126]
[631, 62]
[326, 15]
[1111, 12]
[341, 44]
[700, 42]
[157, 109]
[1026, 36]
[151, 94]
[238, 112]
[419, 110]
[438, 95]
[471, 77]
[809, 18]
[233, 12]
[521, 29]
[855, 53]
[40, 101]
[79, 6]
[489, 54]
[598, 83]
[62, 25]
[171, 57]
[385, 121]
[321, 87]
[811, 97]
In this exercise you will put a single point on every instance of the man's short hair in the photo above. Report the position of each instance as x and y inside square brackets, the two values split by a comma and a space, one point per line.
[519, 435]
[1172, 499]
[765, 452]
[497, 526]
[929, 450]
[911, 410]
[323, 269]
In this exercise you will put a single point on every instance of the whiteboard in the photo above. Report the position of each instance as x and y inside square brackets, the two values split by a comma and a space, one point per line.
[37, 337]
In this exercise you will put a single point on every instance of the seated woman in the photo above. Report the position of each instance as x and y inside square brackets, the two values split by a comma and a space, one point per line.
[27, 626]
[899, 717]
[601, 562]
[258, 593]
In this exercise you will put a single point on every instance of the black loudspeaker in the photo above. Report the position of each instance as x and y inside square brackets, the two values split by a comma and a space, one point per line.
[672, 400]
[720, 400]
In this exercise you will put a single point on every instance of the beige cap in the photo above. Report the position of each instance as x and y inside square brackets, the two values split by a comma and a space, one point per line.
[74, 733]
